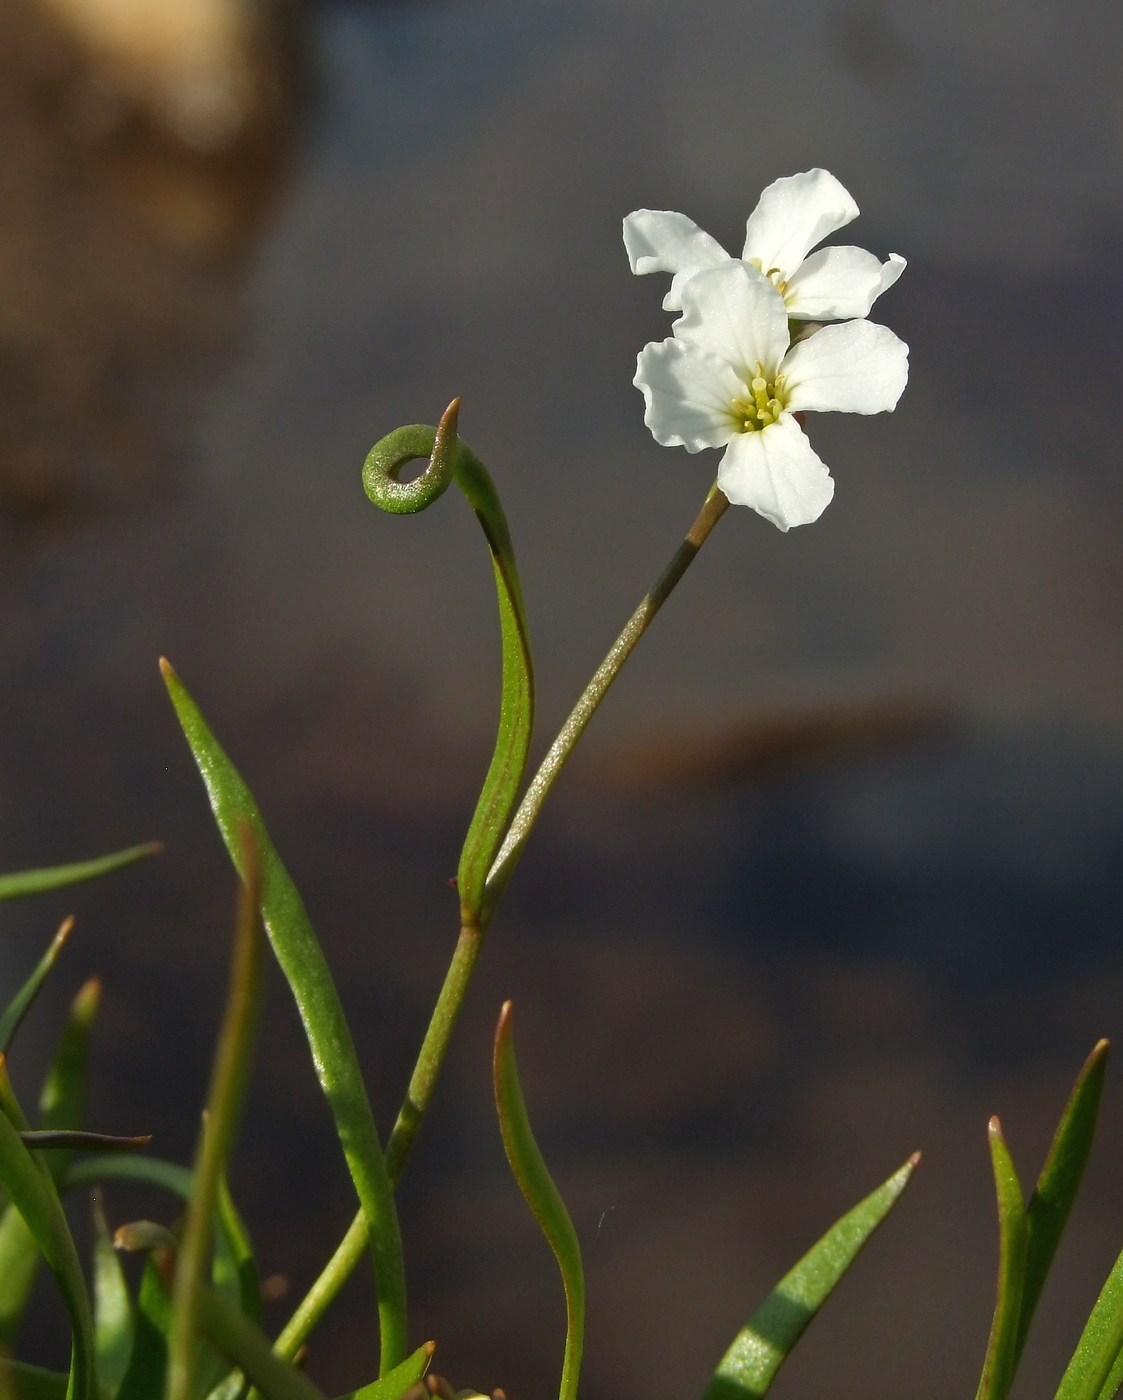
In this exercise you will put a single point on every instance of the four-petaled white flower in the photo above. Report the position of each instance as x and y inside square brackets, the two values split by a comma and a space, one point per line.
[729, 379]
[793, 215]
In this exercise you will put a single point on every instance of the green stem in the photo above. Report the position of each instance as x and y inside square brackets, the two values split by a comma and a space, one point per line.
[451, 997]
[522, 823]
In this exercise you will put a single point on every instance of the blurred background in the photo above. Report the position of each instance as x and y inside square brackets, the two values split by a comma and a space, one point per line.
[838, 871]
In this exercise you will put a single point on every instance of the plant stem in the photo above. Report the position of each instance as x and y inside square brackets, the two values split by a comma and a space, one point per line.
[451, 997]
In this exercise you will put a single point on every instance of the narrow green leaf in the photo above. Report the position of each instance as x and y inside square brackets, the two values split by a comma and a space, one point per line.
[113, 1309]
[1059, 1181]
[229, 1077]
[541, 1195]
[149, 1171]
[452, 459]
[19, 1263]
[57, 877]
[1114, 1382]
[1094, 1361]
[32, 1382]
[244, 1345]
[333, 1051]
[400, 1379]
[749, 1366]
[21, 1003]
[1013, 1238]
[148, 1363]
[235, 1255]
[63, 1099]
[31, 1191]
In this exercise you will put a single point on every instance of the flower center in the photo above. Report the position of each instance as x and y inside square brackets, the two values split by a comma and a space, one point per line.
[773, 275]
[765, 405]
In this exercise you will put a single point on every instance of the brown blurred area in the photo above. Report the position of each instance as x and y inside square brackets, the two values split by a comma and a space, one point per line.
[836, 874]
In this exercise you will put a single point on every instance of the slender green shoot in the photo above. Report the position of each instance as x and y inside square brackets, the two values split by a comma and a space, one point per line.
[1013, 1240]
[56, 877]
[224, 1102]
[542, 1197]
[22, 1002]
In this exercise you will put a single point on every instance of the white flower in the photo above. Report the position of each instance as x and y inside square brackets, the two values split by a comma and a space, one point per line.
[729, 379]
[792, 216]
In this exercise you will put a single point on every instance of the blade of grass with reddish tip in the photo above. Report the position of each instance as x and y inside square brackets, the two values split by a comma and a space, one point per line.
[542, 1197]
[1013, 1239]
[333, 1050]
[1049, 1206]
[56, 877]
[21, 1003]
[747, 1369]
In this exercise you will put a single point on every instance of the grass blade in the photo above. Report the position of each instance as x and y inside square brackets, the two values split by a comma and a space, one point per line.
[235, 1255]
[57, 877]
[1059, 1181]
[230, 1332]
[149, 1171]
[1013, 1238]
[31, 1191]
[62, 1101]
[113, 1309]
[749, 1366]
[148, 1362]
[224, 1101]
[21, 1003]
[333, 1051]
[26, 1382]
[542, 1196]
[1095, 1360]
[400, 1379]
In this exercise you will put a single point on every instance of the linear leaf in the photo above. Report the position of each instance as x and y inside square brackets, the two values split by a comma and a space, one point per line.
[1114, 1382]
[1059, 1181]
[749, 1366]
[21, 1003]
[229, 1076]
[541, 1195]
[235, 1254]
[57, 877]
[400, 1379]
[244, 1345]
[31, 1191]
[149, 1171]
[1097, 1352]
[1013, 1238]
[32, 1382]
[113, 1308]
[333, 1051]
[148, 1362]
[452, 459]
[63, 1098]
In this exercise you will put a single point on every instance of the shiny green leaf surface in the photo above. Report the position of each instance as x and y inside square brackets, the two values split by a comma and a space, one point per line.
[542, 1196]
[1013, 1238]
[747, 1369]
[451, 459]
[21, 1003]
[333, 1052]
[400, 1379]
[1059, 1181]
[113, 1309]
[57, 877]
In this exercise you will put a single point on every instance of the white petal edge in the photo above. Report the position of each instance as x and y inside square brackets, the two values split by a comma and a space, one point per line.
[736, 313]
[688, 395]
[839, 284]
[794, 214]
[777, 474]
[659, 240]
[858, 367]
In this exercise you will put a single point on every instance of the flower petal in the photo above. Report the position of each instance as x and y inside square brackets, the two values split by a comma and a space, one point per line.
[776, 473]
[689, 395]
[792, 215]
[858, 367]
[659, 240]
[839, 284]
[736, 313]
